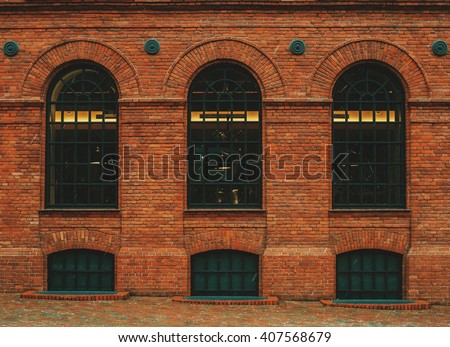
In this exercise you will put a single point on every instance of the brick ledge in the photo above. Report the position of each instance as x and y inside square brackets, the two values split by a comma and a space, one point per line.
[416, 305]
[271, 300]
[81, 297]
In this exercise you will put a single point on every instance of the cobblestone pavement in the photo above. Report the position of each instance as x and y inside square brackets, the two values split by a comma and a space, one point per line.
[156, 312]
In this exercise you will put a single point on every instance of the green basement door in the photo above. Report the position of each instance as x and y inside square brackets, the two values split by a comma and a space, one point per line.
[224, 273]
[81, 270]
[369, 274]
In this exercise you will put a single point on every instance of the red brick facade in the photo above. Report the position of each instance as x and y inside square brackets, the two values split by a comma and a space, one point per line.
[296, 232]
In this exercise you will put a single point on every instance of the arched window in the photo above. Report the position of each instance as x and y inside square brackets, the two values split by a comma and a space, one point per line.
[224, 139]
[224, 273]
[80, 270]
[82, 114]
[369, 274]
[368, 139]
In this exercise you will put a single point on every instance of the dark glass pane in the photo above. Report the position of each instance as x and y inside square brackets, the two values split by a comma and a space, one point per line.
[109, 194]
[196, 194]
[382, 153]
[253, 193]
[81, 280]
[368, 173]
[381, 132]
[82, 261]
[393, 282]
[395, 174]
[94, 280]
[354, 195]
[69, 281]
[342, 282]
[382, 194]
[355, 282]
[396, 153]
[56, 282]
[68, 194]
[353, 132]
[82, 194]
[382, 173]
[82, 153]
[95, 195]
[368, 132]
[106, 281]
[353, 172]
[396, 194]
[355, 263]
[367, 280]
[339, 132]
[339, 195]
[368, 195]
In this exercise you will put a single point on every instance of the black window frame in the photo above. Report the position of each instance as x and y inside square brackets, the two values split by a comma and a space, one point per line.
[369, 274]
[225, 272]
[82, 138]
[369, 154]
[80, 269]
[221, 128]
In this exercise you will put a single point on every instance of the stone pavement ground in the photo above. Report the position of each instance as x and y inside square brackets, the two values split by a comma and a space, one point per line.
[161, 312]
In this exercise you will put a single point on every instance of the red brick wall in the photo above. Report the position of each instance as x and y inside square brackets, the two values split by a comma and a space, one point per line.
[297, 235]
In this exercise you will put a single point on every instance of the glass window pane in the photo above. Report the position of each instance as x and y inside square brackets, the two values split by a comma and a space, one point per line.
[373, 274]
[82, 117]
[78, 269]
[224, 126]
[368, 101]
[230, 273]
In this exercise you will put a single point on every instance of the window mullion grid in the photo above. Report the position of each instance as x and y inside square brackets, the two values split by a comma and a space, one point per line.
[75, 155]
[389, 159]
[101, 184]
[361, 185]
[63, 154]
[347, 158]
[375, 148]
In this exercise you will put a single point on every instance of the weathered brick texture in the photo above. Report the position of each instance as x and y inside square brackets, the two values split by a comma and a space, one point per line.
[296, 233]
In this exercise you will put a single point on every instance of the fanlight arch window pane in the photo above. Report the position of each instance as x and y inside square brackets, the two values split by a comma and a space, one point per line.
[368, 139]
[82, 111]
[224, 138]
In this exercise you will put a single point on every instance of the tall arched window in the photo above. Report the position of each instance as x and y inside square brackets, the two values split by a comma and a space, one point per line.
[82, 113]
[224, 139]
[368, 139]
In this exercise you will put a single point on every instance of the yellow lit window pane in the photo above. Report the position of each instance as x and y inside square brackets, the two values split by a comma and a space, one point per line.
[224, 116]
[366, 116]
[83, 116]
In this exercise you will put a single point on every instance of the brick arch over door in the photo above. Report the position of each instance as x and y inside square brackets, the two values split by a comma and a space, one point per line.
[181, 72]
[80, 238]
[42, 71]
[326, 72]
[247, 241]
[373, 239]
